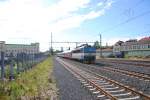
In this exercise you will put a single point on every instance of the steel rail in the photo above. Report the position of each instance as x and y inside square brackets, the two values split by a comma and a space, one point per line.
[136, 74]
[125, 72]
[91, 83]
[142, 76]
[146, 97]
[122, 62]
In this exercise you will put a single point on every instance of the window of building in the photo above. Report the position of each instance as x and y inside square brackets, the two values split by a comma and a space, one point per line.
[134, 47]
[138, 46]
[148, 45]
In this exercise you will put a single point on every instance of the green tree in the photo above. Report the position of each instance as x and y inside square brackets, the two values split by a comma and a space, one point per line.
[96, 45]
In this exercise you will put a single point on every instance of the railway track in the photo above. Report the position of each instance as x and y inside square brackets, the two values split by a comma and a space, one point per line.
[135, 63]
[102, 87]
[129, 73]
[140, 76]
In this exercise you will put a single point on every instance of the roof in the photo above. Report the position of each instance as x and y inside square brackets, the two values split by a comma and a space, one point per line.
[119, 43]
[145, 40]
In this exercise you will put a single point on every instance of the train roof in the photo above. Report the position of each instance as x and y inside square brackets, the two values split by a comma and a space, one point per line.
[82, 46]
[75, 49]
[67, 51]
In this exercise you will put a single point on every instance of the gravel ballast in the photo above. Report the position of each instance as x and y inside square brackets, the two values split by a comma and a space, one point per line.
[139, 85]
[69, 87]
[140, 69]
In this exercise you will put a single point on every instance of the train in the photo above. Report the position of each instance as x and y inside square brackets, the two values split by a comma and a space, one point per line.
[84, 53]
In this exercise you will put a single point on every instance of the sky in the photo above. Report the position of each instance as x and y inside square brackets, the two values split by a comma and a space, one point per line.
[26, 21]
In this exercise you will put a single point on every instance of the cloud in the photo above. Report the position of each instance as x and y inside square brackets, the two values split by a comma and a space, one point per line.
[75, 20]
[100, 4]
[32, 19]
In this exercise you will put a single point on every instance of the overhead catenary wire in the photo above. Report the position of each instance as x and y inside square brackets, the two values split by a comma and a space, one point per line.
[126, 21]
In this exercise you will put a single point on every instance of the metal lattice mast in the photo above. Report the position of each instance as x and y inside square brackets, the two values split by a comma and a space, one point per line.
[100, 45]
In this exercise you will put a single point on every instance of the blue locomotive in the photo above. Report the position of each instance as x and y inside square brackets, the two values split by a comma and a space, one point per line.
[84, 53]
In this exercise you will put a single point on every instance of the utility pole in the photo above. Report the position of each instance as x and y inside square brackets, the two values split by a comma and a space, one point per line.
[106, 44]
[76, 44]
[62, 49]
[100, 37]
[51, 50]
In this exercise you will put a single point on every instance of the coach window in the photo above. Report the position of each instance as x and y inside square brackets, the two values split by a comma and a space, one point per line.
[76, 51]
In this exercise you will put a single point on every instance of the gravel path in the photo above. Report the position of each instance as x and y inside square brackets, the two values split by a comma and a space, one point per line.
[127, 80]
[69, 87]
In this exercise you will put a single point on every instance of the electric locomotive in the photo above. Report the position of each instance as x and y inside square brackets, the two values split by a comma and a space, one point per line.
[84, 53]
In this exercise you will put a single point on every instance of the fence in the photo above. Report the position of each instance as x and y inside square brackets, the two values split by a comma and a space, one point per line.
[11, 65]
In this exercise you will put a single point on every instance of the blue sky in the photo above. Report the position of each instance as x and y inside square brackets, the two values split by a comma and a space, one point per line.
[25, 21]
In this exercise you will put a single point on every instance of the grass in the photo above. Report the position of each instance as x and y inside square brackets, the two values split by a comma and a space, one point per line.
[35, 83]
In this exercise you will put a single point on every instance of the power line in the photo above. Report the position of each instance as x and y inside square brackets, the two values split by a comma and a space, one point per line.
[126, 21]
[64, 42]
[100, 42]
[74, 42]
[130, 10]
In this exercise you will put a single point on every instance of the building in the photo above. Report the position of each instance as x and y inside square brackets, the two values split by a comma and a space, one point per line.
[106, 52]
[133, 47]
[33, 48]
[117, 49]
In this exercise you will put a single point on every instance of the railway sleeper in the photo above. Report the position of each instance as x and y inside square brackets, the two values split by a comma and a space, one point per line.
[115, 91]
[104, 83]
[86, 84]
[82, 81]
[122, 94]
[109, 85]
[90, 86]
[130, 98]
[97, 79]
[102, 97]
[111, 88]
[96, 92]
[92, 89]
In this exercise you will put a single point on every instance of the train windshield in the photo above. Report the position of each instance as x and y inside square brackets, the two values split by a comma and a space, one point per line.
[90, 50]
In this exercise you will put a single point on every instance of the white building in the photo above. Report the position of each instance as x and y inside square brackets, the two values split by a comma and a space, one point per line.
[133, 48]
[33, 48]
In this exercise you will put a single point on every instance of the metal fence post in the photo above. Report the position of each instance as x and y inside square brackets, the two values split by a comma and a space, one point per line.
[18, 58]
[22, 61]
[11, 76]
[25, 60]
[2, 65]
